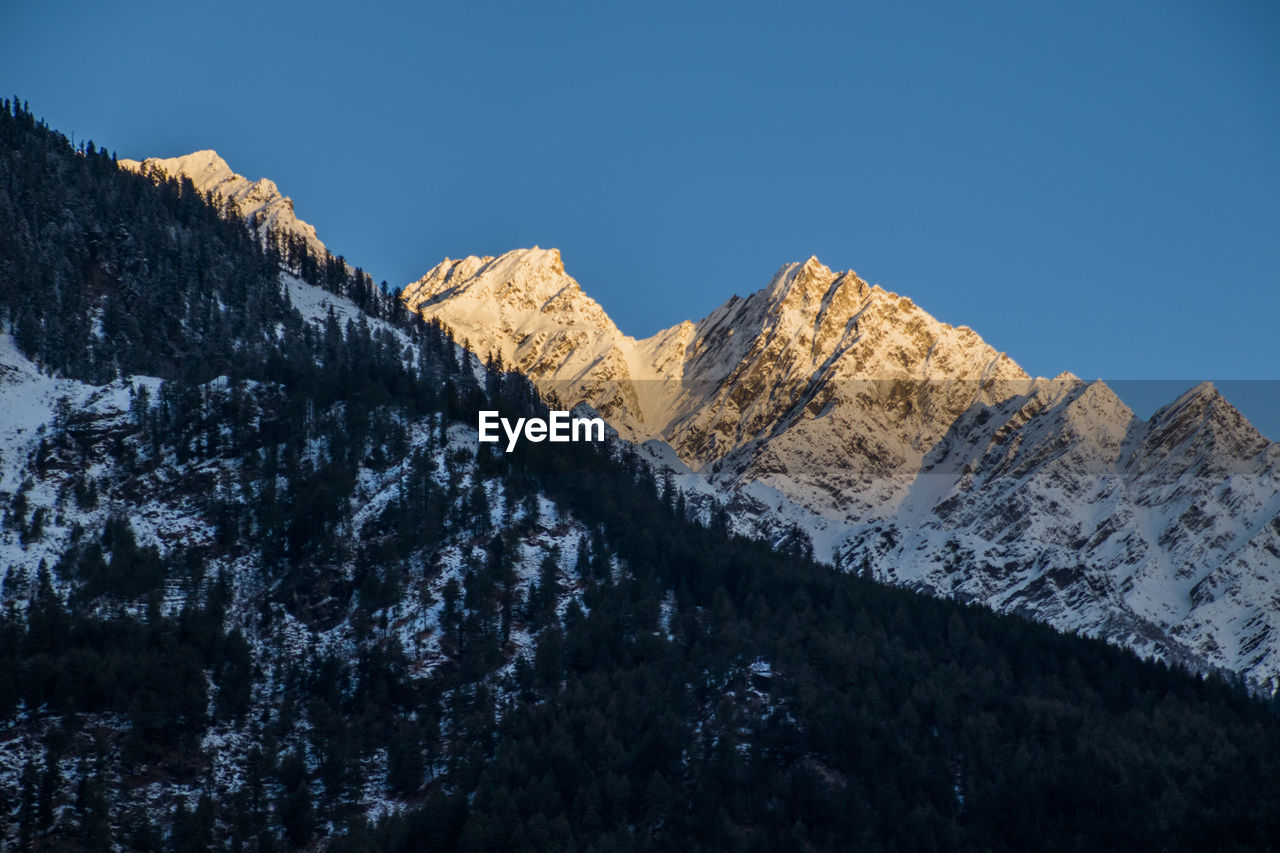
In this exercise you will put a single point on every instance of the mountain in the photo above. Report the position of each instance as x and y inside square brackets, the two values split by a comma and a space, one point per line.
[912, 451]
[259, 202]
[264, 589]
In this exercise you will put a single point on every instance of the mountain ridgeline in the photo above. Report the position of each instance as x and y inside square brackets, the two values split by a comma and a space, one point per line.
[913, 452]
[264, 590]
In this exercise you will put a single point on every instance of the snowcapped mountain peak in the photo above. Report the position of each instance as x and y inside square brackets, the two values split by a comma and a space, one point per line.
[519, 267]
[1201, 405]
[803, 286]
[524, 288]
[913, 451]
[1201, 395]
[260, 202]
[206, 168]
[1202, 417]
[800, 273]
[523, 307]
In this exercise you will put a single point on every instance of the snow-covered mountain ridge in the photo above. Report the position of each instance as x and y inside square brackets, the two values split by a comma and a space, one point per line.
[908, 449]
[265, 588]
[911, 450]
[260, 202]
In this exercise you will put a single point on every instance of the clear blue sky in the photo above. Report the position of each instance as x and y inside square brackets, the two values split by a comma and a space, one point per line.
[1092, 186]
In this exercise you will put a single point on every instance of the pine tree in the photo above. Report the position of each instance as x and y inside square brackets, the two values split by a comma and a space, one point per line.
[294, 809]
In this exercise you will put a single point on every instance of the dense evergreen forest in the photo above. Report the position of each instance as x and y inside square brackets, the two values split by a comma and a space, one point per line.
[291, 603]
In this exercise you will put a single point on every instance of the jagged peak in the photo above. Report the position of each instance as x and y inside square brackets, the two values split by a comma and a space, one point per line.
[800, 283]
[1202, 408]
[534, 260]
[516, 284]
[813, 266]
[1102, 394]
[206, 168]
[1097, 394]
[1204, 402]
[208, 171]
[1205, 391]
[260, 201]
[524, 272]
[1202, 398]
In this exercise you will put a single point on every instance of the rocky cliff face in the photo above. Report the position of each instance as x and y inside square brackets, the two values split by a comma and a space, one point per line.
[911, 450]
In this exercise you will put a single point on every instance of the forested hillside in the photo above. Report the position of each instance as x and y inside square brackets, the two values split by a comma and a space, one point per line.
[265, 591]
